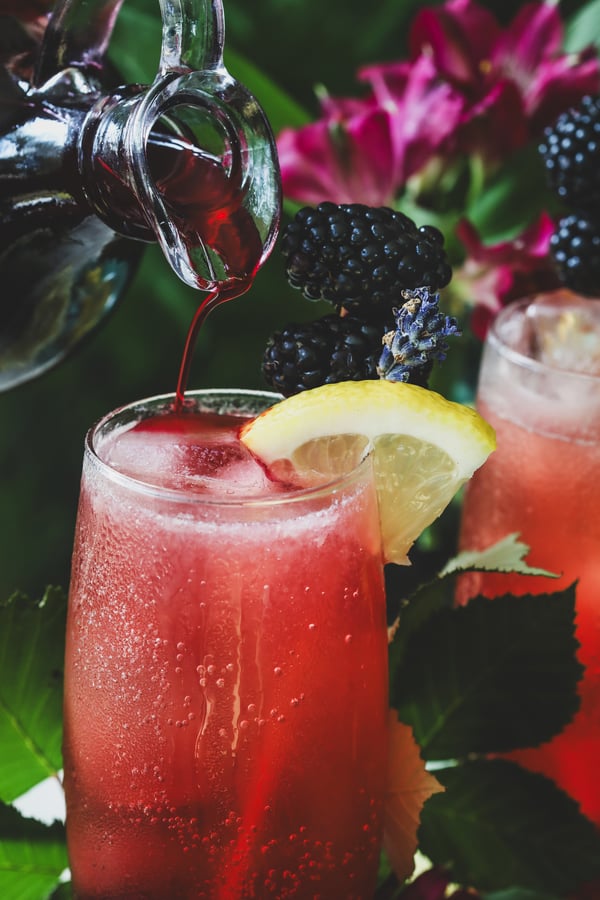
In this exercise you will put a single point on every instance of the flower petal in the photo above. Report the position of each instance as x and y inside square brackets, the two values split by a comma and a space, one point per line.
[459, 35]
[534, 35]
[409, 786]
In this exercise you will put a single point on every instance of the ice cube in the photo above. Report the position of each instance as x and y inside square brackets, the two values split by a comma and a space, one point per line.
[148, 456]
[198, 457]
[564, 332]
[223, 468]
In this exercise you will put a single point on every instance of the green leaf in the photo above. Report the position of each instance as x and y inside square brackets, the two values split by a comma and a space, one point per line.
[281, 110]
[140, 67]
[32, 856]
[134, 47]
[507, 555]
[520, 894]
[583, 28]
[64, 891]
[491, 676]
[513, 199]
[498, 825]
[31, 681]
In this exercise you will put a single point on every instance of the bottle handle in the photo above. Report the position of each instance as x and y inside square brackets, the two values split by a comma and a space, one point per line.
[213, 117]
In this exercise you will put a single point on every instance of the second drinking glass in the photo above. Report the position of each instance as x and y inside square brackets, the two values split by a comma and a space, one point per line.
[540, 389]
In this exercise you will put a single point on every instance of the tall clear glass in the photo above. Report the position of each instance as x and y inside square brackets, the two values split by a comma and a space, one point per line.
[226, 667]
[540, 388]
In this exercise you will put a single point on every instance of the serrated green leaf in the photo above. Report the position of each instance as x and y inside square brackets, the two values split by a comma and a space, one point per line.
[31, 681]
[507, 555]
[498, 825]
[491, 676]
[415, 612]
[32, 856]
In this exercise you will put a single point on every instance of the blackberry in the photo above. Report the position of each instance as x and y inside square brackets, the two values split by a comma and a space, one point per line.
[361, 258]
[571, 154]
[575, 246]
[327, 350]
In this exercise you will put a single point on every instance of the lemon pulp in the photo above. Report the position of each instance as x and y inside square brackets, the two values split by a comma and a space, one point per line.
[424, 447]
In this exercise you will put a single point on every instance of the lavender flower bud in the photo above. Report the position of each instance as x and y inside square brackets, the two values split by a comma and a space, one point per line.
[419, 338]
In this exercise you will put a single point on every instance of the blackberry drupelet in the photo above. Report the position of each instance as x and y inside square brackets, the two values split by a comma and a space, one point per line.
[571, 154]
[575, 246]
[361, 258]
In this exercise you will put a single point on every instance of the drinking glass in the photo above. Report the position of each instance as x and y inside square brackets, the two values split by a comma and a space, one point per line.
[226, 669]
[539, 387]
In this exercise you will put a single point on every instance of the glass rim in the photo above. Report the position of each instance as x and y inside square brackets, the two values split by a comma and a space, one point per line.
[517, 358]
[196, 499]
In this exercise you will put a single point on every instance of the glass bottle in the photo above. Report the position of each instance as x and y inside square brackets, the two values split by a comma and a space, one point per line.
[91, 170]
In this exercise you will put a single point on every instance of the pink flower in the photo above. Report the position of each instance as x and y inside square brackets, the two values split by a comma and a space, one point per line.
[494, 275]
[363, 151]
[345, 158]
[516, 80]
[471, 87]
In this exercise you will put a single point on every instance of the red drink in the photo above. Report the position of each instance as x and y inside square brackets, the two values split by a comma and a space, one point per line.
[543, 481]
[226, 670]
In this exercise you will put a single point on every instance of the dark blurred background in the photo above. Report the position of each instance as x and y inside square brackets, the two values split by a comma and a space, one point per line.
[282, 50]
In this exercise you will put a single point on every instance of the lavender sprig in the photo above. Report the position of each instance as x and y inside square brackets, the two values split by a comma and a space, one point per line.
[419, 338]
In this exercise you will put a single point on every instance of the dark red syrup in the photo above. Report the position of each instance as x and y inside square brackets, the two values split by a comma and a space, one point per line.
[207, 203]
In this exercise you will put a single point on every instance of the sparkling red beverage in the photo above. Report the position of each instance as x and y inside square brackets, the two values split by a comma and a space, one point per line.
[226, 667]
[540, 389]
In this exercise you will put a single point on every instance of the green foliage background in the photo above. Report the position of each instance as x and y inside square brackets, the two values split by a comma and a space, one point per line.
[281, 49]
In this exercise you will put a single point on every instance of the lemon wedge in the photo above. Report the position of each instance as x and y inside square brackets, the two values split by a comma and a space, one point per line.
[424, 447]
